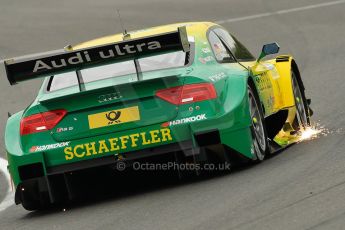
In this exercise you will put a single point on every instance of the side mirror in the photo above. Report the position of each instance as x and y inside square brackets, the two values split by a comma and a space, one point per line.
[268, 49]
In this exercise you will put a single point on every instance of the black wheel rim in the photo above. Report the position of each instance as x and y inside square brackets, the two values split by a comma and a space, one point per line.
[301, 113]
[258, 127]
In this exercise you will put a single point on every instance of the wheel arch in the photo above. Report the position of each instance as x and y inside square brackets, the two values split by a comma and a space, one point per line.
[12, 134]
[251, 83]
[295, 69]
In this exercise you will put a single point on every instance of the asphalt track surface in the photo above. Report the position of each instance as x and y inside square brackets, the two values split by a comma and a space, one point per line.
[303, 187]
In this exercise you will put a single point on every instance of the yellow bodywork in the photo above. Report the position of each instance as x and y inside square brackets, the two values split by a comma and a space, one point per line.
[278, 74]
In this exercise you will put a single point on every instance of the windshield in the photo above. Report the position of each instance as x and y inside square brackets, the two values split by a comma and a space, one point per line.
[119, 73]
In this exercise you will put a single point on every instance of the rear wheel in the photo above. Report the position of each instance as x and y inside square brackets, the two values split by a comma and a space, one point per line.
[29, 195]
[258, 129]
[30, 204]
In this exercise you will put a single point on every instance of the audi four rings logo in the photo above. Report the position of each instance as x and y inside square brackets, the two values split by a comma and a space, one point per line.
[109, 97]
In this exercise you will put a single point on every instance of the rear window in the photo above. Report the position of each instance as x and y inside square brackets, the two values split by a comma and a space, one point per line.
[119, 73]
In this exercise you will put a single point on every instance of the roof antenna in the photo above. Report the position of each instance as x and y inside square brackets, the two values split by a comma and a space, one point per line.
[125, 34]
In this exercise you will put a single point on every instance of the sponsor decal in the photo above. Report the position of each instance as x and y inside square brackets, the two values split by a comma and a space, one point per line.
[116, 144]
[271, 101]
[206, 50]
[114, 117]
[218, 48]
[217, 77]
[263, 82]
[206, 59]
[65, 129]
[69, 59]
[109, 97]
[84, 56]
[185, 120]
[48, 147]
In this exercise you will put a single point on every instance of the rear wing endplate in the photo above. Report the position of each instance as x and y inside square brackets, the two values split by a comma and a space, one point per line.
[55, 62]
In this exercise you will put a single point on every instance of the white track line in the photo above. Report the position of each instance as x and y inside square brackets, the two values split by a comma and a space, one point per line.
[8, 200]
[279, 12]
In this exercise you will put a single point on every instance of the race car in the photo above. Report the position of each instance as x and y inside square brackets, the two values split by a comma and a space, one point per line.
[187, 88]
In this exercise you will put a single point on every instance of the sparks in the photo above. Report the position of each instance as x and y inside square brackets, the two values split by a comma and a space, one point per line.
[312, 132]
[309, 133]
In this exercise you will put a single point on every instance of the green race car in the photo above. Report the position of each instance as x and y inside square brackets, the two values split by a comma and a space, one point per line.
[187, 88]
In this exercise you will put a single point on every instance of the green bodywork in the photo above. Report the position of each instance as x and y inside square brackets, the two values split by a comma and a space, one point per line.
[228, 113]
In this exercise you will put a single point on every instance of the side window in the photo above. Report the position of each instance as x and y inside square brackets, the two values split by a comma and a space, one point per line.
[236, 48]
[219, 50]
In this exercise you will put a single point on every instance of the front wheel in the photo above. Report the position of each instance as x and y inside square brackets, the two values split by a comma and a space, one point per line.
[258, 129]
[302, 119]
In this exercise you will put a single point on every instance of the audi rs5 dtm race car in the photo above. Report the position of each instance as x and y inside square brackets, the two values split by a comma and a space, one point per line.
[180, 88]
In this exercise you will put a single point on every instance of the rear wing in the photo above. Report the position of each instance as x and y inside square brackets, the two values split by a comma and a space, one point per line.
[55, 62]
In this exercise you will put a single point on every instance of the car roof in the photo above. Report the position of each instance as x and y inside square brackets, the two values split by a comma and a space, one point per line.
[193, 28]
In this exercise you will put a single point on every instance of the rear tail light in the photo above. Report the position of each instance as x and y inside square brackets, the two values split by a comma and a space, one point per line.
[188, 93]
[41, 122]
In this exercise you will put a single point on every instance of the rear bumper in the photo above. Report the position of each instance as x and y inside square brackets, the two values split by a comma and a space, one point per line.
[56, 185]
[35, 165]
[53, 182]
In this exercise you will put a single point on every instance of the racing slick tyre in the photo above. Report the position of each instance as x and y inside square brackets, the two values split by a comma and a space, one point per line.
[302, 119]
[31, 204]
[31, 198]
[258, 129]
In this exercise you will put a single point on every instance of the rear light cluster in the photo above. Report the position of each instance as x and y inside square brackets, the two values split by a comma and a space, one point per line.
[41, 122]
[188, 93]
